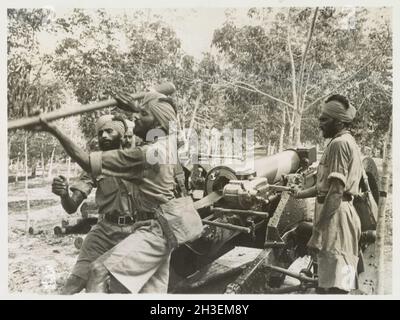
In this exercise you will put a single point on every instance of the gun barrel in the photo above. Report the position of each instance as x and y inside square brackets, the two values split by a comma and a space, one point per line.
[274, 166]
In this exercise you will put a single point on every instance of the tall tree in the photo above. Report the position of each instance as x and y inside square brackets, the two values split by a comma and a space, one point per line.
[30, 84]
[295, 57]
[101, 54]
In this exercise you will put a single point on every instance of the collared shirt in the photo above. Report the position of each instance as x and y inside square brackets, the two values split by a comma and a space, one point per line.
[150, 168]
[112, 194]
[341, 160]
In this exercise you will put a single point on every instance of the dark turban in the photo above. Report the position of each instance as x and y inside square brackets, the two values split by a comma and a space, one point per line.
[161, 110]
[337, 110]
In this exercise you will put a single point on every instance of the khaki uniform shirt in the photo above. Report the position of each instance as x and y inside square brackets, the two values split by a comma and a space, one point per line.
[141, 261]
[150, 169]
[337, 240]
[112, 194]
[341, 160]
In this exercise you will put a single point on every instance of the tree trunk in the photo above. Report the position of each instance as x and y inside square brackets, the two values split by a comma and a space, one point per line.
[282, 134]
[192, 120]
[42, 162]
[9, 148]
[28, 207]
[71, 136]
[33, 169]
[68, 168]
[17, 171]
[381, 223]
[290, 135]
[50, 174]
[297, 128]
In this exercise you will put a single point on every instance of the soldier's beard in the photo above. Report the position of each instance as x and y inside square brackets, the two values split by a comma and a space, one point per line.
[106, 145]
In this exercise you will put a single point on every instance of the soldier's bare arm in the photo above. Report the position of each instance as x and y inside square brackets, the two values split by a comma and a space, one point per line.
[70, 147]
[332, 201]
[70, 203]
[306, 193]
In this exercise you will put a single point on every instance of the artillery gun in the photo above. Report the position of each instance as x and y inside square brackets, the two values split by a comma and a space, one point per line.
[254, 230]
[247, 208]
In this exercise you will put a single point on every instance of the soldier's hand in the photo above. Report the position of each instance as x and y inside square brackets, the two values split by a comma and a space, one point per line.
[43, 124]
[125, 102]
[295, 192]
[60, 186]
[313, 252]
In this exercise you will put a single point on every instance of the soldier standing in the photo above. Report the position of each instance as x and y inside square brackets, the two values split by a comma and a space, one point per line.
[337, 227]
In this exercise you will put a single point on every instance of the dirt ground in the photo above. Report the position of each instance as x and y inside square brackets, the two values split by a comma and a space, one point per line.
[40, 263]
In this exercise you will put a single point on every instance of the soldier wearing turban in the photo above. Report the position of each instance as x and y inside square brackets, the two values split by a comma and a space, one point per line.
[129, 139]
[111, 199]
[337, 227]
[156, 111]
[110, 131]
[140, 262]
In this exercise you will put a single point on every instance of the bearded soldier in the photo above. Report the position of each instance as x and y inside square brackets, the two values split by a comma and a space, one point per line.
[337, 227]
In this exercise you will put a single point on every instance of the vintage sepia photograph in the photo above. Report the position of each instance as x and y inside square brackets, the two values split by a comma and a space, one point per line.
[200, 150]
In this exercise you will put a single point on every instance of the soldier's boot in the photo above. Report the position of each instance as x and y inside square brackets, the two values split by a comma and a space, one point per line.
[98, 278]
[74, 284]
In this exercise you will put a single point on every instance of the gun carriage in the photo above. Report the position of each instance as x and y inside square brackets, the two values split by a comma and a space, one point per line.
[249, 212]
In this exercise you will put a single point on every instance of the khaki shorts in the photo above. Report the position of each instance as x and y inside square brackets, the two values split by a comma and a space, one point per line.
[102, 237]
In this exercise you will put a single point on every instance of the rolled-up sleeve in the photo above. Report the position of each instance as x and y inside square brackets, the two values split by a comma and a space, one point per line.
[95, 163]
[84, 184]
[127, 163]
[338, 162]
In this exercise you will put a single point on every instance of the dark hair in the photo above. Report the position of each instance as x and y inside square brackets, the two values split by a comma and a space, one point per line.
[338, 97]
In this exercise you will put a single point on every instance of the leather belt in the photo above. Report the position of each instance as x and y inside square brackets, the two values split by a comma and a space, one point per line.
[124, 220]
[346, 197]
[145, 215]
[121, 220]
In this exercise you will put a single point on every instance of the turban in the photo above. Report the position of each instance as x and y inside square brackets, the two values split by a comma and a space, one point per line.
[107, 122]
[337, 110]
[161, 110]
